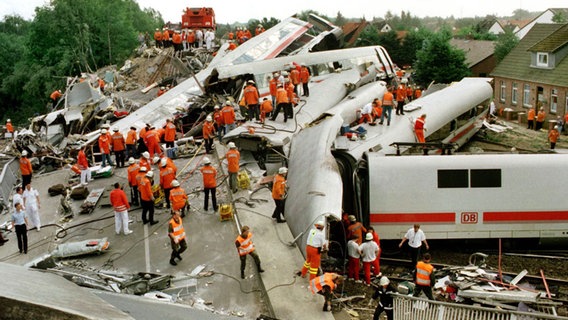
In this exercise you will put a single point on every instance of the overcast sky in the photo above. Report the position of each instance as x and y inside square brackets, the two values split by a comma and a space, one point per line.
[229, 11]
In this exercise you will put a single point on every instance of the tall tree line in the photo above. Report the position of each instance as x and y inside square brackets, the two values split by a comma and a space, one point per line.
[65, 38]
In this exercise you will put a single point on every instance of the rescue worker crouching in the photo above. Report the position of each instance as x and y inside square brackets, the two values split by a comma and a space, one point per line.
[324, 285]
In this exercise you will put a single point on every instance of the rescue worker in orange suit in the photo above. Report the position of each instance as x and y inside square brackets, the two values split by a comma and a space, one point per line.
[251, 99]
[147, 197]
[245, 247]
[229, 117]
[151, 139]
[279, 194]
[120, 204]
[231, 35]
[176, 232]
[118, 147]
[218, 122]
[167, 175]
[55, 96]
[553, 137]
[208, 132]
[424, 278]
[141, 144]
[356, 228]
[540, 119]
[417, 93]
[209, 183]
[170, 133]
[178, 198]
[273, 87]
[9, 127]
[409, 93]
[133, 170]
[388, 102]
[530, 118]
[265, 108]
[145, 161]
[26, 169]
[176, 41]
[233, 157]
[289, 107]
[315, 244]
[420, 127]
[166, 38]
[161, 91]
[232, 46]
[131, 139]
[281, 102]
[247, 35]
[305, 79]
[377, 109]
[324, 285]
[190, 39]
[259, 29]
[104, 146]
[158, 38]
[83, 166]
[400, 97]
[295, 79]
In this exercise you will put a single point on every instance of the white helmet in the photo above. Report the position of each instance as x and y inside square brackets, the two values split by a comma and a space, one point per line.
[8, 120]
[163, 162]
[156, 160]
[231, 145]
[175, 183]
[384, 281]
[216, 107]
[103, 131]
[250, 81]
[146, 154]
[369, 236]
[24, 153]
[404, 80]
[208, 119]
[282, 170]
[131, 160]
[115, 129]
[285, 73]
[228, 102]
[150, 174]
[320, 223]
[143, 169]
[206, 160]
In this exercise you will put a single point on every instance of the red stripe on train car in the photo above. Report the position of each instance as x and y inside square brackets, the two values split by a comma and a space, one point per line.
[449, 217]
[287, 42]
[462, 133]
[520, 216]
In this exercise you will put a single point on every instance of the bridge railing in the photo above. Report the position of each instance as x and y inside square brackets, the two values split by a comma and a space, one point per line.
[411, 308]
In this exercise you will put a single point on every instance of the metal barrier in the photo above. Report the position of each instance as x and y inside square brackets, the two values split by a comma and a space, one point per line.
[410, 308]
[8, 179]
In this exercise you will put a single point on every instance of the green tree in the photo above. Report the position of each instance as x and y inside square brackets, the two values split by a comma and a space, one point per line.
[339, 19]
[505, 43]
[411, 44]
[559, 17]
[438, 61]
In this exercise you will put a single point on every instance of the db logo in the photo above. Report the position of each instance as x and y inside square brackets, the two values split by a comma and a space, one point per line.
[469, 217]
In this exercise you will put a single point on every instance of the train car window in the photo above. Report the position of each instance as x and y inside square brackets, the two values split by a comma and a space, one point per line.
[485, 178]
[453, 179]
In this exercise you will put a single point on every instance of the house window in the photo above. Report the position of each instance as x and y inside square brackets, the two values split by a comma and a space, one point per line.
[502, 94]
[553, 100]
[542, 59]
[527, 95]
[514, 93]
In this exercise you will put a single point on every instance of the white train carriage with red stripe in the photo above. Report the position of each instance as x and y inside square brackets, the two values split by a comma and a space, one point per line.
[467, 196]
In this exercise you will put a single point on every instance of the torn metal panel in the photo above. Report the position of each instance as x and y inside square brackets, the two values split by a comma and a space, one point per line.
[71, 249]
[513, 296]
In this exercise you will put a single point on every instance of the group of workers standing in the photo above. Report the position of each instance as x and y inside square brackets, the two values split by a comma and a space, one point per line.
[184, 40]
